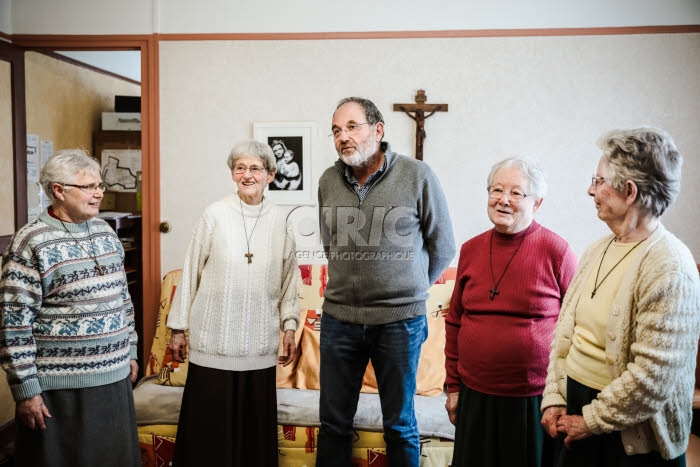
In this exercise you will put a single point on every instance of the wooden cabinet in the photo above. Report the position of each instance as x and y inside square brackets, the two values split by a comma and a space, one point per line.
[128, 229]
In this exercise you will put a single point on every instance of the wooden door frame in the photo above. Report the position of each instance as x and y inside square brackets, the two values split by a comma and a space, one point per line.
[15, 56]
[148, 46]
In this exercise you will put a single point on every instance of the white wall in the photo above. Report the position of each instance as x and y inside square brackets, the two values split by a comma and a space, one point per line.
[182, 16]
[6, 16]
[548, 97]
[83, 17]
[545, 96]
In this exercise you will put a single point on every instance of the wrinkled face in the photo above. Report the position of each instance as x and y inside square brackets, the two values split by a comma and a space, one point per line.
[251, 186]
[510, 216]
[74, 204]
[278, 151]
[610, 203]
[355, 147]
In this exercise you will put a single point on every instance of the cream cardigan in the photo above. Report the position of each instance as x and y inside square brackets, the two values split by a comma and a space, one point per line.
[650, 349]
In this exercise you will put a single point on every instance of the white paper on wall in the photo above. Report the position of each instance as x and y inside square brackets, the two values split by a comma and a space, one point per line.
[33, 168]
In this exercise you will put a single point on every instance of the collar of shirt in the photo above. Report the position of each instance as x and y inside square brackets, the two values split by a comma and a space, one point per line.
[362, 190]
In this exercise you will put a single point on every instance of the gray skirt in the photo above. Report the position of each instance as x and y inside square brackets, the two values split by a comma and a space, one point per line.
[88, 427]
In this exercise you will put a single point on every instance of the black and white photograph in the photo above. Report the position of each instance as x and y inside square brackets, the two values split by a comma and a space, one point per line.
[289, 154]
[291, 145]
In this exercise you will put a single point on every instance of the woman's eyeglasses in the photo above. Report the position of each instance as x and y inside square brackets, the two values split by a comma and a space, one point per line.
[255, 170]
[496, 192]
[597, 181]
[91, 189]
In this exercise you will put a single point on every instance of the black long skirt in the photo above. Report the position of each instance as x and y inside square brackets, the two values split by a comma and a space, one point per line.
[88, 427]
[498, 431]
[227, 419]
[605, 450]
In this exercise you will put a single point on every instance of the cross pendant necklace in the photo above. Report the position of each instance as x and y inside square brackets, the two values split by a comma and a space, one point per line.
[248, 254]
[99, 268]
[494, 290]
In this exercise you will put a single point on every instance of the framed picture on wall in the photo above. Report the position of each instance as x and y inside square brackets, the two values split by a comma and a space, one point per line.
[291, 145]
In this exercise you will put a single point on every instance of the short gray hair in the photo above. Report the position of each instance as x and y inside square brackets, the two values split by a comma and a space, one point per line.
[63, 167]
[530, 169]
[648, 157]
[372, 113]
[256, 149]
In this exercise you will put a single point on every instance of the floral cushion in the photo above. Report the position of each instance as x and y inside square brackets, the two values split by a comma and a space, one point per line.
[303, 372]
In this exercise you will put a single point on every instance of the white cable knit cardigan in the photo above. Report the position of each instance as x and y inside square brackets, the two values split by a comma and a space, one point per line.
[235, 309]
[652, 340]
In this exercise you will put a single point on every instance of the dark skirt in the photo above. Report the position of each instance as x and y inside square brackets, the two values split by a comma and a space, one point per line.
[604, 450]
[228, 418]
[498, 431]
[88, 427]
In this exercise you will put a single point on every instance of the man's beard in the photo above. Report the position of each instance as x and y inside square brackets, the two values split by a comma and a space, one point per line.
[363, 153]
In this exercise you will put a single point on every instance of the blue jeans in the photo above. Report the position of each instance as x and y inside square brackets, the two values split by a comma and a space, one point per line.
[346, 348]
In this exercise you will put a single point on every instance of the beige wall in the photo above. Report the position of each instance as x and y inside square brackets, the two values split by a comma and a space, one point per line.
[7, 214]
[545, 97]
[185, 16]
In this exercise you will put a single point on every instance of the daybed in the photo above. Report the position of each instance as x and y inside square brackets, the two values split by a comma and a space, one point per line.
[158, 395]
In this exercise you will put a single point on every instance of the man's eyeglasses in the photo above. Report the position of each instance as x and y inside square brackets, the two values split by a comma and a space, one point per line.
[596, 181]
[351, 129]
[91, 189]
[255, 170]
[496, 192]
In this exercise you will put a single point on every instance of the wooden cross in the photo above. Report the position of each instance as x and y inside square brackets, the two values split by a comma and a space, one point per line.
[494, 292]
[419, 109]
[250, 257]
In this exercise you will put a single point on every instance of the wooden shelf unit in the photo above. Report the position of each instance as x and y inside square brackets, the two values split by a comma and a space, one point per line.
[128, 229]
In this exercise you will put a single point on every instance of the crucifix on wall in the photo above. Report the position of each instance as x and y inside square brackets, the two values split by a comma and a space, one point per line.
[418, 114]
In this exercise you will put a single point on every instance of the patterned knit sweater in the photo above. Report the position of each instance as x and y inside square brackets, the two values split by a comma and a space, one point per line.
[650, 348]
[62, 324]
[234, 309]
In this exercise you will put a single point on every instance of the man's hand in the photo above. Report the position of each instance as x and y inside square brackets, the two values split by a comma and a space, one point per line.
[178, 345]
[451, 406]
[289, 348]
[32, 412]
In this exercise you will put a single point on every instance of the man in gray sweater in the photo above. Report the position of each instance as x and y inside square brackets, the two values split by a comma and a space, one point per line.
[387, 234]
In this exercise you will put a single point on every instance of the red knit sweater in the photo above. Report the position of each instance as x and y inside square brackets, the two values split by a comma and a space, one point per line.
[501, 346]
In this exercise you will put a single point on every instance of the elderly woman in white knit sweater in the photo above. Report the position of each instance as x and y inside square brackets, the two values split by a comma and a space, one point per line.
[239, 287]
[620, 378]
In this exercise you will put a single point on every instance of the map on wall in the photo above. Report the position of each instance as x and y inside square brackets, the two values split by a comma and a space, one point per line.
[120, 167]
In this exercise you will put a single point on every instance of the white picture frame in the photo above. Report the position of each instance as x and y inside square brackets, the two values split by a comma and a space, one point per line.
[291, 142]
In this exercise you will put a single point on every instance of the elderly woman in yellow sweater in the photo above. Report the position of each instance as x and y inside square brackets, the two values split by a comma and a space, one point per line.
[620, 377]
[239, 288]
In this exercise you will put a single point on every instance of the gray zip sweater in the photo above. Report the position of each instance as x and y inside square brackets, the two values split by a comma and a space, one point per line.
[384, 253]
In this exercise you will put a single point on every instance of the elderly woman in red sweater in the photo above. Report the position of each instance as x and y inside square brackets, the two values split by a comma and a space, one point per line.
[510, 284]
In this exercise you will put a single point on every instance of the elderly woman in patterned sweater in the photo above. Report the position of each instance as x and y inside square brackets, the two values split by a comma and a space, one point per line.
[620, 378]
[239, 289]
[510, 283]
[67, 335]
